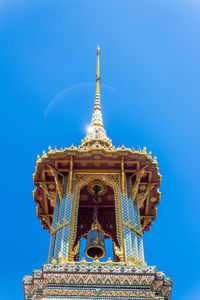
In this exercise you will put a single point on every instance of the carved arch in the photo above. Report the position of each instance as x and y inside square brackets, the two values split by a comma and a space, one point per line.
[83, 179]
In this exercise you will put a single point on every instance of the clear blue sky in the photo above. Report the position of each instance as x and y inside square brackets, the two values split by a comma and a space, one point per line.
[150, 88]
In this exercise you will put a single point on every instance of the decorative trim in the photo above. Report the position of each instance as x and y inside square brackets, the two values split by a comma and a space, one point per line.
[139, 175]
[142, 196]
[51, 195]
[123, 177]
[71, 175]
[59, 185]
[84, 179]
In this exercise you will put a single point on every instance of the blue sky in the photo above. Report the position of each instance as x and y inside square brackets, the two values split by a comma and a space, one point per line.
[150, 90]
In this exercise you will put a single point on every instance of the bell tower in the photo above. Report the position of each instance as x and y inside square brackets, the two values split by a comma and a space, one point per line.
[93, 193]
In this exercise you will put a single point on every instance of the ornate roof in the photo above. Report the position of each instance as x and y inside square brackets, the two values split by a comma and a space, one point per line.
[96, 154]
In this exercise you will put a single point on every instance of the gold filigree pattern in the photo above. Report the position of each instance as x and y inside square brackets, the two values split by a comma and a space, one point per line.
[59, 226]
[71, 175]
[123, 177]
[139, 175]
[92, 292]
[132, 227]
[47, 220]
[142, 196]
[82, 180]
[119, 252]
[59, 183]
[50, 195]
[74, 252]
[146, 221]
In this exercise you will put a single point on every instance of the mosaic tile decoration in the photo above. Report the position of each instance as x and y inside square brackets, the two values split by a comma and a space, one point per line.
[86, 281]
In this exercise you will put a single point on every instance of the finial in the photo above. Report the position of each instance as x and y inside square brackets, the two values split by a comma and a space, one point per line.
[109, 260]
[155, 159]
[97, 75]
[44, 153]
[53, 261]
[98, 49]
[97, 115]
[144, 150]
[96, 130]
[83, 260]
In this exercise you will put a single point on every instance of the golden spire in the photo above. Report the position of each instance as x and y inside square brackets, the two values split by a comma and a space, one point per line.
[97, 75]
[97, 115]
[96, 132]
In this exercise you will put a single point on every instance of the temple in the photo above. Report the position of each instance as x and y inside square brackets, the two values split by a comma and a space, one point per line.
[97, 200]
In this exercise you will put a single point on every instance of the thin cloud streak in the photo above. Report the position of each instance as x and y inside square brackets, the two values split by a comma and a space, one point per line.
[73, 88]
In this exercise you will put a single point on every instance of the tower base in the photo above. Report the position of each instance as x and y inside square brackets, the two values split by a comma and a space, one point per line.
[97, 281]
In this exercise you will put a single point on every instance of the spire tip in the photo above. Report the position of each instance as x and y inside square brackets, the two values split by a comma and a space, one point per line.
[98, 49]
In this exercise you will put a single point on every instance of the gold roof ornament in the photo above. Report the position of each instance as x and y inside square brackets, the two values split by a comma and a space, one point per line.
[96, 134]
[98, 73]
[97, 119]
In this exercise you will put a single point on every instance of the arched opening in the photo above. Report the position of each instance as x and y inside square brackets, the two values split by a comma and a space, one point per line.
[106, 217]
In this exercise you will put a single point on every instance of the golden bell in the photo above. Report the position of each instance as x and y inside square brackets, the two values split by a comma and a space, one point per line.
[95, 244]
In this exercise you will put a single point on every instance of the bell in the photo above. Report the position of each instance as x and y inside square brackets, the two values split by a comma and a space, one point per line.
[95, 245]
